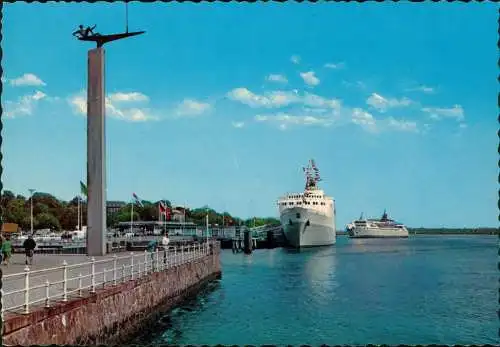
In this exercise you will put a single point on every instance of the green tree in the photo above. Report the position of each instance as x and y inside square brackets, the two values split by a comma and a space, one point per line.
[40, 208]
[8, 195]
[47, 221]
[16, 211]
[148, 212]
[69, 218]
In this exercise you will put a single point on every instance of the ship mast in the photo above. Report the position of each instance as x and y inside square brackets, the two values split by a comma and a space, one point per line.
[312, 175]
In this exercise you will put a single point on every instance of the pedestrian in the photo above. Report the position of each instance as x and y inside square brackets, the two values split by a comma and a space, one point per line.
[6, 250]
[29, 248]
[164, 242]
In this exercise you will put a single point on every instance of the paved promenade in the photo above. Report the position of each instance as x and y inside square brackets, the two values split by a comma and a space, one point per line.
[14, 277]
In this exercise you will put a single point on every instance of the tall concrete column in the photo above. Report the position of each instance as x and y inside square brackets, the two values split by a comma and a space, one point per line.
[96, 155]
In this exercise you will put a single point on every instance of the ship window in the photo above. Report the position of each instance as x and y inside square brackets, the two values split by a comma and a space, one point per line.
[297, 215]
[299, 203]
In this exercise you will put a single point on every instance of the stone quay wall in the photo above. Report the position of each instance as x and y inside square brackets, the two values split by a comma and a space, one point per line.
[114, 314]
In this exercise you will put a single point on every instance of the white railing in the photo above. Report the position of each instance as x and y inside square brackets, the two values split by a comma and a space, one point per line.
[30, 289]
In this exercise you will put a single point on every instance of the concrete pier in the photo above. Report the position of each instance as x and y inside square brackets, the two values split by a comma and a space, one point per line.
[114, 313]
[96, 154]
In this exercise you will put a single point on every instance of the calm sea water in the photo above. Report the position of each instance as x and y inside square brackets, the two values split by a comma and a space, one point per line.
[423, 290]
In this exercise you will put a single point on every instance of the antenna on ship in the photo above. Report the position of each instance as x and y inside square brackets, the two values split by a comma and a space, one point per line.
[317, 178]
[384, 216]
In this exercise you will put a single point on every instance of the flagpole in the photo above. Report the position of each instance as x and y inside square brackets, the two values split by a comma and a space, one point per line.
[78, 224]
[165, 218]
[184, 221]
[207, 225]
[132, 217]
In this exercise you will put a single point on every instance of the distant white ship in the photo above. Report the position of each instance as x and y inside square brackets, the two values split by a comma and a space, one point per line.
[373, 228]
[308, 218]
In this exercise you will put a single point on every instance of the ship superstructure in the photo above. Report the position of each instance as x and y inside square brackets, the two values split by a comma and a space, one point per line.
[374, 228]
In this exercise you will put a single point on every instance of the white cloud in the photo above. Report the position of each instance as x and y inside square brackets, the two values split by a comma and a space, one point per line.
[190, 107]
[335, 66]
[24, 105]
[423, 89]
[402, 125]
[79, 104]
[238, 124]
[133, 96]
[382, 104]
[436, 113]
[310, 78]
[278, 99]
[313, 100]
[285, 119]
[295, 59]
[138, 115]
[277, 78]
[28, 79]
[271, 100]
[364, 119]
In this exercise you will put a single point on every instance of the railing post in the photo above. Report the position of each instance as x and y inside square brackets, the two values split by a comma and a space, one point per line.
[26, 289]
[65, 280]
[115, 260]
[123, 273]
[165, 257]
[145, 262]
[139, 269]
[157, 260]
[80, 278]
[175, 255]
[47, 293]
[132, 265]
[92, 275]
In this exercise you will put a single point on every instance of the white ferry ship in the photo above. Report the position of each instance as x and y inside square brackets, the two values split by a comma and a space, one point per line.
[308, 218]
[372, 228]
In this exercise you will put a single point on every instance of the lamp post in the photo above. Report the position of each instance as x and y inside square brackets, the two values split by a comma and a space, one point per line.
[32, 191]
[207, 225]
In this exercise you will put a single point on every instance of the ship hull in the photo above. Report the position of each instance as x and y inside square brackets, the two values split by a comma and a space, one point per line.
[360, 233]
[306, 228]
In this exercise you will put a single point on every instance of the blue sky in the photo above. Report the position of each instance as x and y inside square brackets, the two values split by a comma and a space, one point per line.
[222, 104]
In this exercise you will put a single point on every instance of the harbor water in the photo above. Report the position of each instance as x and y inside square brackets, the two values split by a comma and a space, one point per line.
[421, 290]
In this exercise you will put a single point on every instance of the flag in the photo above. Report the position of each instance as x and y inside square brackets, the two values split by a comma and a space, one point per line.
[163, 209]
[168, 215]
[137, 200]
[83, 188]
